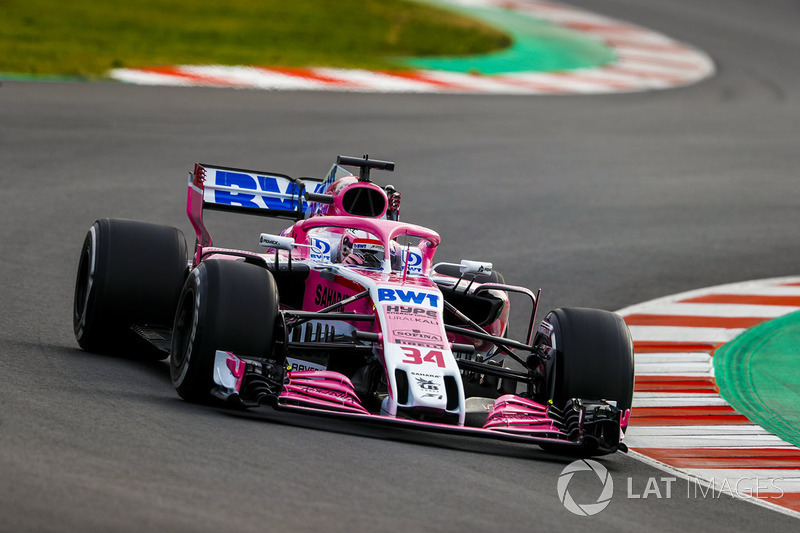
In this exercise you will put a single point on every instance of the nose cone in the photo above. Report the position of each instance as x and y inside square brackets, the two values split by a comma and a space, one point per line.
[426, 389]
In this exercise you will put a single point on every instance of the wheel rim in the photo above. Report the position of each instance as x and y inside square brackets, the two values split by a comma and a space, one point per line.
[82, 284]
[183, 335]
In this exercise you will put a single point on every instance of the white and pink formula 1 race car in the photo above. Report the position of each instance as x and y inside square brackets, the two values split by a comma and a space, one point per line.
[345, 314]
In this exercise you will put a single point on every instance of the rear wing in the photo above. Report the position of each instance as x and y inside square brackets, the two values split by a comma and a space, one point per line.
[251, 192]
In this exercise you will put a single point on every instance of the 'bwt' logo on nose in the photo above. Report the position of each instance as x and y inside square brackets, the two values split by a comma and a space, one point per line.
[418, 298]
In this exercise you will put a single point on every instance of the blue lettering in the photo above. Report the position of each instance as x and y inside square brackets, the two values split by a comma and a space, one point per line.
[272, 191]
[411, 296]
[391, 295]
[271, 184]
[386, 295]
[237, 179]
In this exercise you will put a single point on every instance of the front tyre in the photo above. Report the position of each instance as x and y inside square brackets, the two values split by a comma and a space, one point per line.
[594, 356]
[593, 362]
[225, 305]
[129, 273]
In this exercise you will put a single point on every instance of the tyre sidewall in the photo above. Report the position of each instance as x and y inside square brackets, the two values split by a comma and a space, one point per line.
[191, 363]
[92, 323]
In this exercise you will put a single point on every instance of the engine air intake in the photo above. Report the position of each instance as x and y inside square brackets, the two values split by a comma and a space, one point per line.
[364, 202]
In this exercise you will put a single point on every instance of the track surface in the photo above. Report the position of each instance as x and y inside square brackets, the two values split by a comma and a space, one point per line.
[602, 201]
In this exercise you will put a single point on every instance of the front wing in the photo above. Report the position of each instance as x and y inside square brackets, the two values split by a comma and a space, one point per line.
[593, 427]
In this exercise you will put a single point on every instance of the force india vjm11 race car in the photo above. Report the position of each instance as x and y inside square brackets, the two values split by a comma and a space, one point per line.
[345, 314]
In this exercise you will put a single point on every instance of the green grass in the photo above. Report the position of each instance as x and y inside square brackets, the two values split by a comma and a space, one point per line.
[89, 37]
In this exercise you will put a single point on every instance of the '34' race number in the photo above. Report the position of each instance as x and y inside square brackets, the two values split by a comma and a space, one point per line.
[415, 357]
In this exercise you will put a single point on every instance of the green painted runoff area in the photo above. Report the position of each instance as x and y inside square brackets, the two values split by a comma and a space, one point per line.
[45, 40]
[758, 373]
[537, 46]
[88, 37]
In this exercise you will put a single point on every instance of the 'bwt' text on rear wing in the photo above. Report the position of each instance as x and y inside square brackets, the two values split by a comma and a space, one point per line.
[247, 191]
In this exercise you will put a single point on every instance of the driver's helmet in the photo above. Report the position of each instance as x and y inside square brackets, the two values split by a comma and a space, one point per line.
[357, 249]
[396, 254]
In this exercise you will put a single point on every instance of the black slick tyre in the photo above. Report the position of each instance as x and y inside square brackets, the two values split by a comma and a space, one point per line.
[594, 359]
[129, 273]
[225, 305]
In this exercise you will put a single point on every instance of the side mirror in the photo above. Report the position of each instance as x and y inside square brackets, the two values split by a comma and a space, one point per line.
[277, 242]
[475, 267]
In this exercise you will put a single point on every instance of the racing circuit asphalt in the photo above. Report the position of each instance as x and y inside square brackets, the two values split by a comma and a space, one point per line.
[601, 201]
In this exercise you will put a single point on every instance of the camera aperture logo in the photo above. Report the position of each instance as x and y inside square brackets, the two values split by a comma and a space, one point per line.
[585, 509]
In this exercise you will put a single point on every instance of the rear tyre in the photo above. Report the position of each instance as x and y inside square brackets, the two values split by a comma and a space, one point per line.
[594, 358]
[225, 305]
[130, 272]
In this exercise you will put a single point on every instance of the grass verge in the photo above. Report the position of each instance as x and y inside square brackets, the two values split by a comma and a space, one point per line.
[88, 37]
